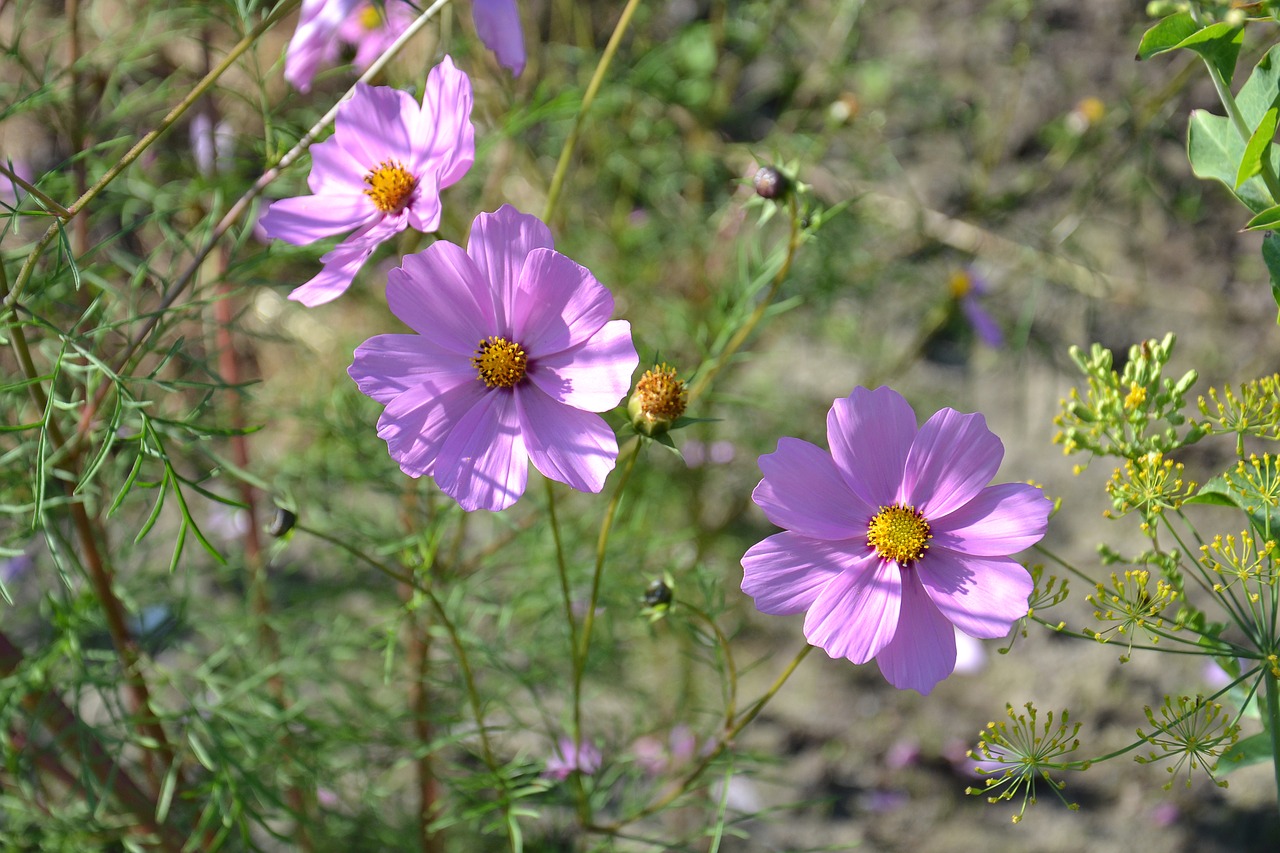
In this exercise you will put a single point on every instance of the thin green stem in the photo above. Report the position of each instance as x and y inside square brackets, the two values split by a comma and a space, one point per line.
[1273, 720]
[726, 739]
[28, 266]
[464, 662]
[706, 375]
[588, 97]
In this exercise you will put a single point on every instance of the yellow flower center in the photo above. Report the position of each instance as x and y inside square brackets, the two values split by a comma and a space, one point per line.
[899, 533]
[499, 362]
[661, 395]
[371, 17]
[959, 284]
[1136, 397]
[390, 186]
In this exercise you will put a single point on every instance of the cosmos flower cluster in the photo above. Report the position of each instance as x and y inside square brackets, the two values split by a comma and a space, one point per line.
[892, 538]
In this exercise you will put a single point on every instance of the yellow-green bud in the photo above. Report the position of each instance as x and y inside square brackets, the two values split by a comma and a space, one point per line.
[657, 402]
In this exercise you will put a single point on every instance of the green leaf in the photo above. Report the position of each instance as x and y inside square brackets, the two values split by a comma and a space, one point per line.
[1256, 149]
[1261, 91]
[1254, 749]
[1267, 220]
[1219, 43]
[1167, 34]
[1271, 257]
[1215, 150]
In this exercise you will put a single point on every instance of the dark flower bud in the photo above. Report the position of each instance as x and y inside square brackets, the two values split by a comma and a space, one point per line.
[282, 523]
[771, 184]
[658, 594]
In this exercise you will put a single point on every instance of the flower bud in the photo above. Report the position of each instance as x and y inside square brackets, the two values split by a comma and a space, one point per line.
[658, 594]
[282, 523]
[771, 183]
[657, 402]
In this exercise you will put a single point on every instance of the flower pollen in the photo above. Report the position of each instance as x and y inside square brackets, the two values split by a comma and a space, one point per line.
[899, 533]
[661, 395]
[390, 186]
[371, 17]
[500, 363]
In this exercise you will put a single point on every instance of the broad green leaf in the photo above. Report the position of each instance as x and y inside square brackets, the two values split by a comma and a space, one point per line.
[1215, 150]
[1219, 44]
[1167, 34]
[1261, 91]
[1271, 256]
[1256, 149]
[1254, 749]
[1267, 220]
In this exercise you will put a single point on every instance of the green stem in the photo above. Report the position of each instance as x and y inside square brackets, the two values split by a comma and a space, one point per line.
[588, 97]
[28, 266]
[731, 731]
[1273, 721]
[740, 337]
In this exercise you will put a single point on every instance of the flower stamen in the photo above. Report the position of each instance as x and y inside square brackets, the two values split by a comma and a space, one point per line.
[499, 362]
[390, 186]
[899, 533]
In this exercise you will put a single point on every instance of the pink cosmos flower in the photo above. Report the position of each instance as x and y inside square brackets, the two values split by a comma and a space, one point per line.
[514, 351]
[326, 25]
[894, 536]
[380, 172]
[498, 25]
[572, 758]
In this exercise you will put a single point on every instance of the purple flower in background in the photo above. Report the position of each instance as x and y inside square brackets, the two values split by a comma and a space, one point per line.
[514, 352]
[570, 757]
[326, 25]
[498, 25]
[373, 27]
[10, 192]
[967, 286]
[894, 536]
[380, 172]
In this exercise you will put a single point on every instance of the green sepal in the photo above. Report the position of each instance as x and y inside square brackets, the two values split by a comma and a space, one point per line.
[1259, 144]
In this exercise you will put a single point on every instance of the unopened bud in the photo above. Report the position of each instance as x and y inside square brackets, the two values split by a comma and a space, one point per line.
[771, 184]
[658, 401]
[282, 523]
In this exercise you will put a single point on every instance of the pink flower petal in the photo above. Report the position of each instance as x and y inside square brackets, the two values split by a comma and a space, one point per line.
[443, 132]
[440, 294]
[570, 305]
[483, 463]
[314, 41]
[340, 268]
[335, 171]
[803, 491]
[870, 434]
[499, 243]
[593, 376]
[1001, 520]
[386, 366]
[565, 444]
[374, 127]
[498, 25]
[305, 219]
[923, 650]
[423, 212]
[856, 614]
[416, 423]
[786, 572]
[952, 459]
[982, 596]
